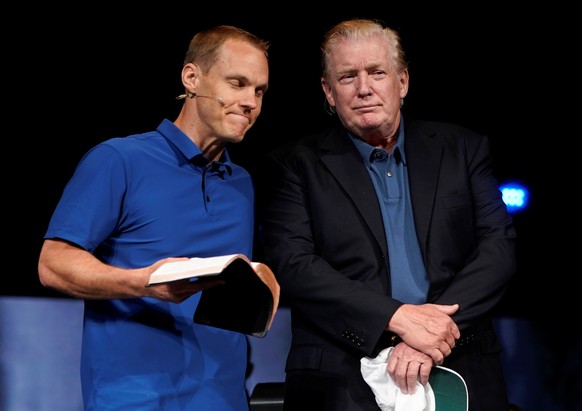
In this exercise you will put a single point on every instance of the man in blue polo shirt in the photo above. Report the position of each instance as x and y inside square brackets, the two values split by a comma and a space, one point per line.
[136, 202]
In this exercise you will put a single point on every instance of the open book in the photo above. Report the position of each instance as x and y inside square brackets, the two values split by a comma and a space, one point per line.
[246, 302]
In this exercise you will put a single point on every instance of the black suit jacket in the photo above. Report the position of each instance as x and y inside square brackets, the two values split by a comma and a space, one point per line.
[324, 240]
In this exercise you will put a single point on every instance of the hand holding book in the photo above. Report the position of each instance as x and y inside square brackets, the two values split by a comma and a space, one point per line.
[247, 300]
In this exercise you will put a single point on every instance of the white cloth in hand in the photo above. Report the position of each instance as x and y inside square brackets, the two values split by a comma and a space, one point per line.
[388, 396]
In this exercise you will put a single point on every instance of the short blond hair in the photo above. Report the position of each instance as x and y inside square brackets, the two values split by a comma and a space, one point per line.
[362, 29]
[205, 45]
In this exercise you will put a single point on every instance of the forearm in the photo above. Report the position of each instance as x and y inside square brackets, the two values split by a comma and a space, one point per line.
[76, 272]
[482, 282]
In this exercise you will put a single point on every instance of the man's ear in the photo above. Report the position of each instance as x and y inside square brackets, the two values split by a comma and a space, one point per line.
[403, 77]
[190, 77]
[328, 95]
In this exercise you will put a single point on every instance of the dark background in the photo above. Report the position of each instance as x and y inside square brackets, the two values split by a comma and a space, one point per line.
[76, 78]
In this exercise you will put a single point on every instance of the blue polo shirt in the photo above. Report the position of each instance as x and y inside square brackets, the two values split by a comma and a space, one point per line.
[409, 280]
[132, 201]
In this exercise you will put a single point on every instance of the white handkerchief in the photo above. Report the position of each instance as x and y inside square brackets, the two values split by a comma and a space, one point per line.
[388, 395]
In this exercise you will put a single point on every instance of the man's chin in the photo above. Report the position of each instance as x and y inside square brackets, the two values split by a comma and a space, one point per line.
[234, 137]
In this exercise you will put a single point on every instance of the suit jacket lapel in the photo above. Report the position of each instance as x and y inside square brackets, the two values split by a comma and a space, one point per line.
[424, 156]
[340, 155]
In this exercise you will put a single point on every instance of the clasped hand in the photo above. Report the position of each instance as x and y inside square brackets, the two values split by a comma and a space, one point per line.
[428, 336]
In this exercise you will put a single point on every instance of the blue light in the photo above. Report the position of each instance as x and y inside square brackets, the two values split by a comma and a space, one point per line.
[515, 196]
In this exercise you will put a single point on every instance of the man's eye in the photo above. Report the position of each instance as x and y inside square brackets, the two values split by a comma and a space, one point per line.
[346, 79]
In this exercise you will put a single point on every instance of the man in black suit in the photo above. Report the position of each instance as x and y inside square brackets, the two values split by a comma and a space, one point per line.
[385, 231]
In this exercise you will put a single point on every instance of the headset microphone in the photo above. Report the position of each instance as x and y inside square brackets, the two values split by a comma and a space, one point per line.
[192, 95]
[219, 99]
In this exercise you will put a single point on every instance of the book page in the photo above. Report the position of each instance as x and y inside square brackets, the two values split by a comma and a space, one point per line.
[194, 267]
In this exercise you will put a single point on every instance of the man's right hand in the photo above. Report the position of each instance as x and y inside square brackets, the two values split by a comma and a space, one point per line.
[428, 328]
